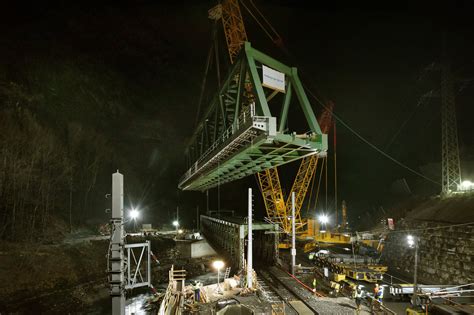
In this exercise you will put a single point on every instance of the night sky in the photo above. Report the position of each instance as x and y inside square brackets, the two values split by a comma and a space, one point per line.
[149, 57]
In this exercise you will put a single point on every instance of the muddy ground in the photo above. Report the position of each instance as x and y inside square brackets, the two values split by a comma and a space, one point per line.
[71, 278]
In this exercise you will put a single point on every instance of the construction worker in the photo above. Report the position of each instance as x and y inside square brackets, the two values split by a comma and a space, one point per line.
[197, 291]
[380, 294]
[376, 291]
[314, 284]
[358, 297]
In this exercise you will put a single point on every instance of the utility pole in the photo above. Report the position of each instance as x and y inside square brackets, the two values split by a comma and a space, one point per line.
[293, 231]
[249, 242]
[335, 176]
[116, 258]
[207, 201]
[450, 162]
[415, 276]
[197, 218]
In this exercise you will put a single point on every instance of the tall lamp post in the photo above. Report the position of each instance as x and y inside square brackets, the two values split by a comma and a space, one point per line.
[413, 243]
[176, 225]
[134, 214]
[218, 264]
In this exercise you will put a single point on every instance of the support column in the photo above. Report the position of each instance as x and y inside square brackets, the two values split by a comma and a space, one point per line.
[116, 257]
[293, 236]
[241, 246]
[249, 243]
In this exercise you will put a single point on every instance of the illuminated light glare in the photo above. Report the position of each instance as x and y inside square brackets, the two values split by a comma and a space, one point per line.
[134, 214]
[180, 231]
[410, 240]
[466, 185]
[218, 264]
[175, 223]
[323, 218]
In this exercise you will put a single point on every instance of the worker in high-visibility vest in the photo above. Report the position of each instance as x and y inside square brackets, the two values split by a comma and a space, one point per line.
[358, 297]
[380, 294]
[376, 291]
[314, 284]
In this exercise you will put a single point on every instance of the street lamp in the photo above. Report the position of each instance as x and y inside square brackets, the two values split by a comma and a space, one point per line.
[413, 243]
[134, 214]
[218, 264]
[176, 225]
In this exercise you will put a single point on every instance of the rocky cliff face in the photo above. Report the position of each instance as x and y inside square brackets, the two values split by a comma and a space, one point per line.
[446, 254]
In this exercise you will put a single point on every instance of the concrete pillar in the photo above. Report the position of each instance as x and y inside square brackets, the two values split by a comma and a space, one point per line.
[249, 243]
[116, 249]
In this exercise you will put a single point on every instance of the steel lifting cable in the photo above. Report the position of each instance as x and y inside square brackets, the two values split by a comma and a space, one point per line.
[319, 183]
[326, 182]
[342, 122]
[266, 21]
[258, 21]
[373, 146]
[311, 190]
[370, 144]
[206, 72]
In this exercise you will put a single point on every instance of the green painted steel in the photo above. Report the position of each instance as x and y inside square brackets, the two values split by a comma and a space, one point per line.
[227, 236]
[239, 135]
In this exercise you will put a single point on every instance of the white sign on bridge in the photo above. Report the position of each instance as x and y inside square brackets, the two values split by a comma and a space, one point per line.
[273, 79]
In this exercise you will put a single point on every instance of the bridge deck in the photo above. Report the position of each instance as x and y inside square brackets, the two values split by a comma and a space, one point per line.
[254, 147]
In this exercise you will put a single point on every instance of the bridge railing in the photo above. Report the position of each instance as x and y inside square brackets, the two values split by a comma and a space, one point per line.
[245, 118]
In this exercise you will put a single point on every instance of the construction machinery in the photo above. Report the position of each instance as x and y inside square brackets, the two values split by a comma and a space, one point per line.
[277, 206]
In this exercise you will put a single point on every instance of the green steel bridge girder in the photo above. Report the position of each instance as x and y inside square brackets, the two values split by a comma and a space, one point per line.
[258, 157]
[212, 163]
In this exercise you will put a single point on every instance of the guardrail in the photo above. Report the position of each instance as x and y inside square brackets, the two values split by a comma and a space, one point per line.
[245, 117]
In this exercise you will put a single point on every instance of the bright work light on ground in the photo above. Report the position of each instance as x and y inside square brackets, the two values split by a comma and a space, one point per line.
[466, 185]
[218, 264]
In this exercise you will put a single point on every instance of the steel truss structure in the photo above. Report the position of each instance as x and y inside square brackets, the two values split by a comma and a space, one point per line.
[239, 135]
[450, 163]
[138, 270]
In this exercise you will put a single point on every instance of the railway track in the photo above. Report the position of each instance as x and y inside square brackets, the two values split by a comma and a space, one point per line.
[275, 291]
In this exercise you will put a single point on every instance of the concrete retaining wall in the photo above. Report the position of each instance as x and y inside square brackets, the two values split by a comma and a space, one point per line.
[446, 256]
[194, 249]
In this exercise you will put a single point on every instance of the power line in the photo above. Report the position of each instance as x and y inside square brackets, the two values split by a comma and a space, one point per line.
[373, 146]
[358, 135]
[407, 119]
